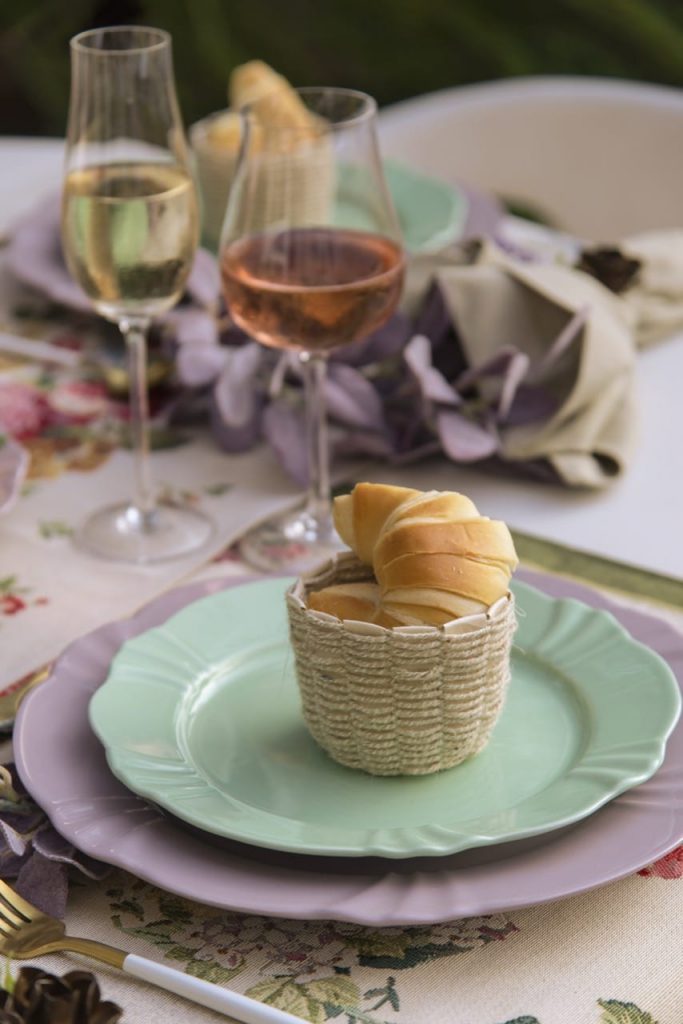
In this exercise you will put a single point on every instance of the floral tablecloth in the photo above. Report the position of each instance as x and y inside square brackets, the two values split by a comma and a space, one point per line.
[611, 956]
[75, 433]
[608, 957]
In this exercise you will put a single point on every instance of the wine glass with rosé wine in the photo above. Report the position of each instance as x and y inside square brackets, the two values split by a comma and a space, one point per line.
[311, 259]
[130, 229]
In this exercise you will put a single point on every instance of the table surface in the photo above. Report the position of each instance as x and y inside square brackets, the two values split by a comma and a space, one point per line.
[579, 961]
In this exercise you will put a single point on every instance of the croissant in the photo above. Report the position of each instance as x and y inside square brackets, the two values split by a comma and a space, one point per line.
[434, 557]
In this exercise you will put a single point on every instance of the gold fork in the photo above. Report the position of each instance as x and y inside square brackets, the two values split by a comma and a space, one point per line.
[25, 932]
[9, 702]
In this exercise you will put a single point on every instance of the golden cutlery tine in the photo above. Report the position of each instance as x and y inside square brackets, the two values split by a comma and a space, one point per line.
[26, 932]
[9, 702]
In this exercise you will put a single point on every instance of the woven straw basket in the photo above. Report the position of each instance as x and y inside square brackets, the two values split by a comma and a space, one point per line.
[296, 186]
[406, 701]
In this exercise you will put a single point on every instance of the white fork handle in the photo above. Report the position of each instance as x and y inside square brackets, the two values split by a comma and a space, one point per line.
[242, 1008]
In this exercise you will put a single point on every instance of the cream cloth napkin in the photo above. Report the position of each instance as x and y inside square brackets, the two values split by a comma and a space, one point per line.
[655, 300]
[572, 344]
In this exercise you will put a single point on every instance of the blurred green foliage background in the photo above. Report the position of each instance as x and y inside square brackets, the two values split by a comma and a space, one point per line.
[390, 48]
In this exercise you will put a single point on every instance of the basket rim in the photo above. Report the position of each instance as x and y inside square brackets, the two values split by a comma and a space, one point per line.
[464, 625]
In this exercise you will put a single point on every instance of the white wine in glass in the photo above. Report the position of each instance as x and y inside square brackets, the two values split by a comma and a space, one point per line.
[311, 259]
[130, 233]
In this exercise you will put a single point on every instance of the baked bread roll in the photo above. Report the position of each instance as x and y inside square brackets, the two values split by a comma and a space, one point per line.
[347, 601]
[359, 516]
[359, 601]
[225, 131]
[434, 557]
[274, 100]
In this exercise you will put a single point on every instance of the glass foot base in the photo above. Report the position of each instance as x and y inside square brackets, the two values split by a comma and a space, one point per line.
[122, 533]
[295, 544]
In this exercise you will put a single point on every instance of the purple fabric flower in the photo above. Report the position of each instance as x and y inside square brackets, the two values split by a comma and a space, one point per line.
[284, 427]
[32, 853]
[405, 392]
[237, 401]
[351, 398]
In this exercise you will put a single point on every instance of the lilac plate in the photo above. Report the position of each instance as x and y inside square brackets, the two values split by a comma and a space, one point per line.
[64, 768]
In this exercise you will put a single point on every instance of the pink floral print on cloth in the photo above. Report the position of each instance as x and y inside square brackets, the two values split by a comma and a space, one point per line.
[63, 423]
[670, 866]
[15, 598]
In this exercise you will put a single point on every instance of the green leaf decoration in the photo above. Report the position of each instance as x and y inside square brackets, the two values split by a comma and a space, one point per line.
[218, 490]
[386, 946]
[387, 994]
[182, 953]
[164, 926]
[159, 932]
[623, 1013]
[414, 955]
[127, 906]
[160, 438]
[175, 909]
[524, 1020]
[335, 990]
[290, 996]
[404, 949]
[50, 528]
[264, 991]
[211, 970]
[69, 432]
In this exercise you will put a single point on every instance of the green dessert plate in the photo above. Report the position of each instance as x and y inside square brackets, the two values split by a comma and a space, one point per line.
[431, 213]
[202, 716]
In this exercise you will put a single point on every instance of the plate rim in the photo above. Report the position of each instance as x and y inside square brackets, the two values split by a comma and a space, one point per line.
[604, 776]
[93, 810]
[458, 198]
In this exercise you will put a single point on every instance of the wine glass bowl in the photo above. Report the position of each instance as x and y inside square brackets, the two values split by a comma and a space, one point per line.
[312, 289]
[130, 230]
[311, 259]
[131, 235]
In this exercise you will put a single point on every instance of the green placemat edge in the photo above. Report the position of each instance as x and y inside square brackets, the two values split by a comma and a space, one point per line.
[626, 579]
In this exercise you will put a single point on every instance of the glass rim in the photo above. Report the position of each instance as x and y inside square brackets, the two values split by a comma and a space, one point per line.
[79, 45]
[365, 112]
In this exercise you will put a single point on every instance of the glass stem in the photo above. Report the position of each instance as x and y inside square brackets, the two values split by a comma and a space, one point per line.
[318, 502]
[134, 331]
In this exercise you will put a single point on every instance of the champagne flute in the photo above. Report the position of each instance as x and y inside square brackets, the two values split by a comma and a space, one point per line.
[130, 233]
[311, 259]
